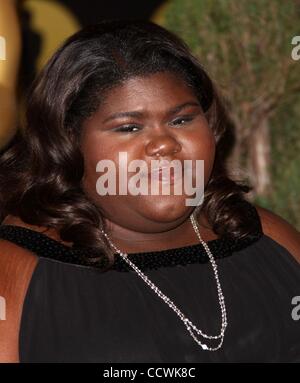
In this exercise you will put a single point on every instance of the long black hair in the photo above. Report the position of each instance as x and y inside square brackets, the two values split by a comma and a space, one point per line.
[42, 168]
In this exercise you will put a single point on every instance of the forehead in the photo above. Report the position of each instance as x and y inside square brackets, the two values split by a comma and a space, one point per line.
[162, 89]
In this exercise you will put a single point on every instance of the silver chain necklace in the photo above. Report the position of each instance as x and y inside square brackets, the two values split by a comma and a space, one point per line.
[188, 324]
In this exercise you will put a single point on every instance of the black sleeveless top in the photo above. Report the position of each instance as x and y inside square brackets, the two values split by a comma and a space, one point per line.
[73, 313]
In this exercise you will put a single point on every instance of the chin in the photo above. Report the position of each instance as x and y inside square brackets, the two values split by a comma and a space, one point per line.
[165, 208]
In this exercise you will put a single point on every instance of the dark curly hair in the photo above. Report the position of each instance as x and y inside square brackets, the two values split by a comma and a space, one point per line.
[42, 167]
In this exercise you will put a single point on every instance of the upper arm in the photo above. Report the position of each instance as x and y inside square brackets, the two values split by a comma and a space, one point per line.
[280, 230]
[16, 268]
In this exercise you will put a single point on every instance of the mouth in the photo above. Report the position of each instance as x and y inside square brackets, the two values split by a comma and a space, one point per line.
[167, 175]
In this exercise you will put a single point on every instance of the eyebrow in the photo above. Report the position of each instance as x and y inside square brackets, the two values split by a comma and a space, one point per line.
[136, 113]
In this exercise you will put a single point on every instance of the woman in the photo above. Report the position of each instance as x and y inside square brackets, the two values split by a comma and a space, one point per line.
[72, 294]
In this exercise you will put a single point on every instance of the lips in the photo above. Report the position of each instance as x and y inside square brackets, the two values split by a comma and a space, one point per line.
[165, 175]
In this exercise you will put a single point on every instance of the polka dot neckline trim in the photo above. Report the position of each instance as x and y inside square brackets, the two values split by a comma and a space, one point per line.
[47, 247]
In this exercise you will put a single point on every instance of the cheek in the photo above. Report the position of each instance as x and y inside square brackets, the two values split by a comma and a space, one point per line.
[93, 151]
[202, 146]
[95, 148]
[209, 160]
[209, 149]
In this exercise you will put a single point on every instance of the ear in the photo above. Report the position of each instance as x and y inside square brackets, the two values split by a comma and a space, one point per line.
[280, 231]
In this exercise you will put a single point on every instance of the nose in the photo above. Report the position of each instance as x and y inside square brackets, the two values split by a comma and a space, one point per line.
[163, 146]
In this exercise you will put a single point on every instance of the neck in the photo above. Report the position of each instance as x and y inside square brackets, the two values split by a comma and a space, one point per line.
[182, 235]
[119, 232]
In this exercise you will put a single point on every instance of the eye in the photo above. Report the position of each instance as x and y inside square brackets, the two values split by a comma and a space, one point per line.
[127, 128]
[182, 120]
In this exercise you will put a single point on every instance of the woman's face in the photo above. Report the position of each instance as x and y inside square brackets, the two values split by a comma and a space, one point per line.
[164, 121]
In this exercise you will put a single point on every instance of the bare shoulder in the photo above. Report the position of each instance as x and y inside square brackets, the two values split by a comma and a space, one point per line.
[280, 230]
[16, 269]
